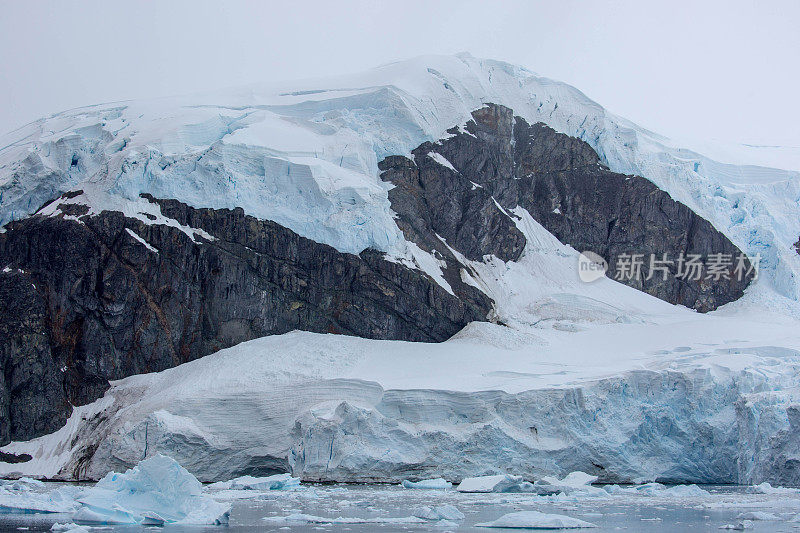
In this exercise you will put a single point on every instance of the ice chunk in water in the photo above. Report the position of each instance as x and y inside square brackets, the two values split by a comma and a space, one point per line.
[686, 491]
[301, 518]
[69, 527]
[439, 512]
[501, 483]
[431, 484]
[536, 520]
[23, 483]
[25, 501]
[156, 490]
[759, 515]
[766, 488]
[276, 482]
[574, 481]
[740, 526]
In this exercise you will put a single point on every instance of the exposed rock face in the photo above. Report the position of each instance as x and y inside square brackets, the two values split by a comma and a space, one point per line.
[89, 298]
[31, 385]
[501, 162]
[85, 302]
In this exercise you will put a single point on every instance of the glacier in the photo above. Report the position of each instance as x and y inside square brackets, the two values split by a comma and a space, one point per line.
[592, 377]
[598, 378]
[618, 401]
[305, 155]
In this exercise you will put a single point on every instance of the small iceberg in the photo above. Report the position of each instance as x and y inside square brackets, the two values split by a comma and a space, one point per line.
[536, 520]
[766, 488]
[301, 518]
[573, 479]
[19, 499]
[740, 526]
[572, 482]
[500, 483]
[659, 490]
[276, 482]
[23, 484]
[762, 516]
[69, 528]
[157, 491]
[686, 491]
[439, 512]
[430, 484]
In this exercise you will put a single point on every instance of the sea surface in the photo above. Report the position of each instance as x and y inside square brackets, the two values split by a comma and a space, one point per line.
[393, 508]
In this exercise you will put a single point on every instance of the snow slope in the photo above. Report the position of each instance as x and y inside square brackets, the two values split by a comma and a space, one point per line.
[699, 399]
[594, 377]
[641, 388]
[305, 154]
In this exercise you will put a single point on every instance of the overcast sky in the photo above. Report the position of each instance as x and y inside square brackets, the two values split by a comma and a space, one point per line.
[727, 70]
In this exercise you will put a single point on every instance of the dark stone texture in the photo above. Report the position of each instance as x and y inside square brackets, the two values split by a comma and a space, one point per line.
[31, 397]
[15, 459]
[95, 304]
[502, 160]
[83, 302]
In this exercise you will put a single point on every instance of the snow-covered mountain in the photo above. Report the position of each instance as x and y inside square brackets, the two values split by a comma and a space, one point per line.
[306, 154]
[404, 203]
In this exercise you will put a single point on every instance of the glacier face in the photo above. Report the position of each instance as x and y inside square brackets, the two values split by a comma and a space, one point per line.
[619, 401]
[305, 155]
[594, 377]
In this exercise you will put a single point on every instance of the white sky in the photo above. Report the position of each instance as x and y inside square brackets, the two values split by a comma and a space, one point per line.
[722, 70]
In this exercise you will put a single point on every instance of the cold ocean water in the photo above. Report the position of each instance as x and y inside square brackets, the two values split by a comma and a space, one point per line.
[356, 508]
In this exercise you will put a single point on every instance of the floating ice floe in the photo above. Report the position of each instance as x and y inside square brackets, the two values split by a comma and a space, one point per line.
[536, 520]
[157, 491]
[657, 489]
[766, 488]
[685, 491]
[759, 516]
[22, 500]
[572, 482]
[431, 484]
[300, 518]
[276, 482]
[70, 527]
[573, 479]
[440, 512]
[23, 483]
[499, 483]
[739, 526]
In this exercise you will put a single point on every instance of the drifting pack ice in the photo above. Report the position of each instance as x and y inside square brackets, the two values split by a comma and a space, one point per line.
[378, 278]
[156, 492]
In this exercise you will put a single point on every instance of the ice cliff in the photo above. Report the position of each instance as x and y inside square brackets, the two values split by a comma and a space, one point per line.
[177, 227]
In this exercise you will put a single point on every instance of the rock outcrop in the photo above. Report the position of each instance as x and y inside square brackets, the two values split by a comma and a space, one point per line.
[464, 189]
[88, 299]
[89, 296]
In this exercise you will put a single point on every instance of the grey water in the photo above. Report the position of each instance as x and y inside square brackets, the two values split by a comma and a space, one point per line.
[387, 507]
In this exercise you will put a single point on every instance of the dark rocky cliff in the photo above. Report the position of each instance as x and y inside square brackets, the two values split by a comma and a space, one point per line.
[501, 162]
[85, 302]
[86, 299]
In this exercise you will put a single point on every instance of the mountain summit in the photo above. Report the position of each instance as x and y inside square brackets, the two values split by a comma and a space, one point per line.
[442, 200]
